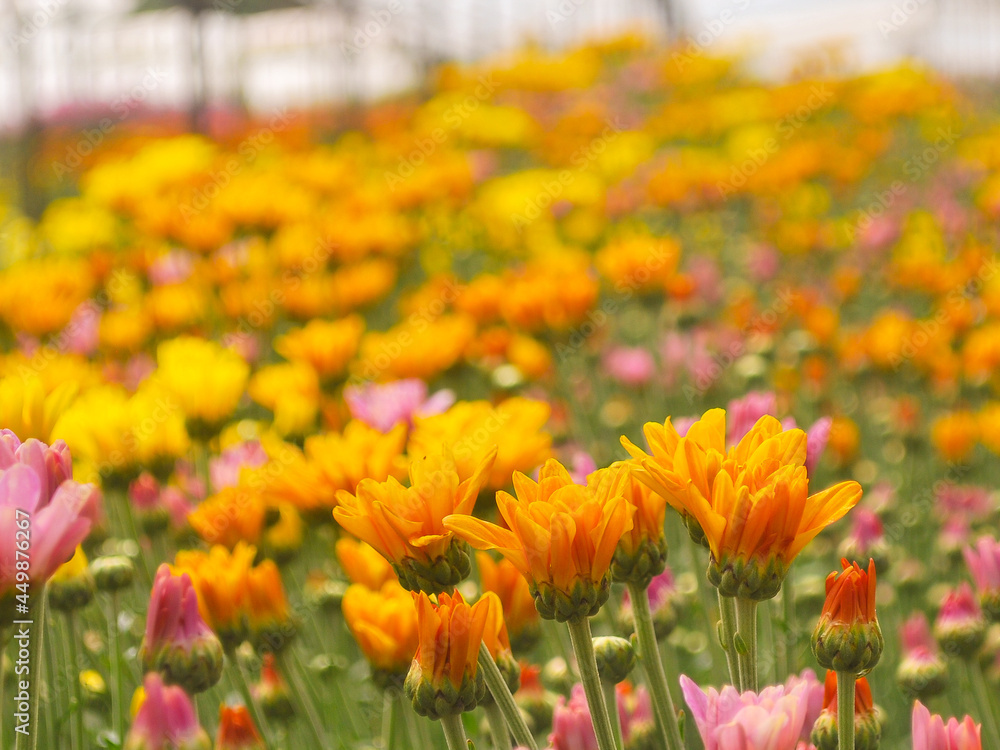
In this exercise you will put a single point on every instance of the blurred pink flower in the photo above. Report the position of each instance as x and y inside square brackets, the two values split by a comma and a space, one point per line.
[968, 501]
[817, 437]
[144, 492]
[173, 618]
[171, 268]
[931, 733]
[630, 365]
[866, 531]
[224, 469]
[814, 698]
[189, 481]
[384, 405]
[580, 464]
[178, 506]
[165, 720]
[572, 727]
[983, 560]
[35, 479]
[763, 262]
[80, 336]
[770, 720]
[742, 413]
[635, 710]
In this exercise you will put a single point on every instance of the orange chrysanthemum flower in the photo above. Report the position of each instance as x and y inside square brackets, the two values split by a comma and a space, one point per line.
[751, 502]
[384, 623]
[561, 536]
[504, 580]
[233, 515]
[444, 678]
[405, 524]
[642, 552]
[326, 345]
[363, 564]
[848, 637]
[220, 580]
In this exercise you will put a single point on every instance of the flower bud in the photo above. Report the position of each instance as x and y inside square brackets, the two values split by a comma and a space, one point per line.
[556, 675]
[867, 727]
[71, 586]
[534, 699]
[616, 658]
[272, 692]
[922, 672]
[177, 642]
[960, 627]
[984, 563]
[113, 572]
[847, 637]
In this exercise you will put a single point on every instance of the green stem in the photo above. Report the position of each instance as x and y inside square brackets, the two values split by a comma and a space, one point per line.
[250, 700]
[454, 732]
[389, 720]
[649, 652]
[791, 627]
[302, 697]
[504, 700]
[29, 741]
[986, 711]
[845, 710]
[74, 674]
[611, 701]
[583, 647]
[498, 726]
[746, 651]
[727, 634]
[114, 644]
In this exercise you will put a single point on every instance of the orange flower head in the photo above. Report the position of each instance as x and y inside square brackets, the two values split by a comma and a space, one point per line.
[326, 345]
[955, 434]
[359, 452]
[847, 637]
[272, 691]
[561, 536]
[405, 524]
[504, 580]
[751, 501]
[236, 730]
[642, 552]
[384, 623]
[444, 679]
[867, 728]
[233, 515]
[470, 429]
[220, 581]
[363, 564]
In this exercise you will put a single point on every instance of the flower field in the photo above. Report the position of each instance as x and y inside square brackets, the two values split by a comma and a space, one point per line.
[607, 399]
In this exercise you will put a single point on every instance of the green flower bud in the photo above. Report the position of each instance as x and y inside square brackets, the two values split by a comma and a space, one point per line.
[616, 658]
[113, 572]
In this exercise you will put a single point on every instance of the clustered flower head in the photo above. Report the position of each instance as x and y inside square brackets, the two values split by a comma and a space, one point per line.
[560, 535]
[750, 503]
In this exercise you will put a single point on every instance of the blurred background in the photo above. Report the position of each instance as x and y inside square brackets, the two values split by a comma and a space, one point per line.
[61, 59]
